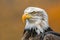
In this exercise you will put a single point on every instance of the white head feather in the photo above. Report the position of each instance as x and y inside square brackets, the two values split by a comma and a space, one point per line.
[40, 25]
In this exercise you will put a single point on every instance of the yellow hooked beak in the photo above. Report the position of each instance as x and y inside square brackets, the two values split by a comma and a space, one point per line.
[25, 16]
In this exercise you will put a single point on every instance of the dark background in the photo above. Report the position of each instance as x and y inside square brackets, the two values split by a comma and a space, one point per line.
[11, 26]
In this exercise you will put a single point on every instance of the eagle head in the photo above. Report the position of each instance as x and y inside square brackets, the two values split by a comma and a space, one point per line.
[35, 18]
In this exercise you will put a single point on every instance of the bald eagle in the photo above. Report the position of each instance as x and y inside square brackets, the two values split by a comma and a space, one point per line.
[36, 23]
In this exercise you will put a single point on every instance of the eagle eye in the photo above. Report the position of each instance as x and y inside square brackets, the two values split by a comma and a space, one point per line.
[33, 12]
[36, 13]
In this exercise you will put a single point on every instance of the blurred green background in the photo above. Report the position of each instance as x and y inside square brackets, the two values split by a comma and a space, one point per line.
[11, 26]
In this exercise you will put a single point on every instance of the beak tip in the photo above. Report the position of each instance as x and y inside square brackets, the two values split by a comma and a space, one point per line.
[23, 17]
